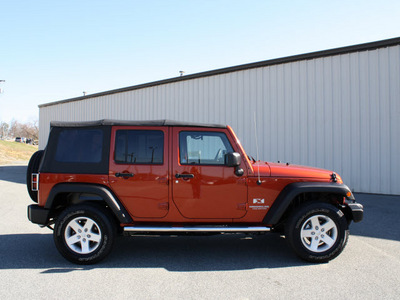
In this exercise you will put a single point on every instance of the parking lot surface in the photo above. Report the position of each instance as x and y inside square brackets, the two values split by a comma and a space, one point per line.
[197, 267]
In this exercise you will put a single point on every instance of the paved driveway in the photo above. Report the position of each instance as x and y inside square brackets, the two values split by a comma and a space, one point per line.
[215, 267]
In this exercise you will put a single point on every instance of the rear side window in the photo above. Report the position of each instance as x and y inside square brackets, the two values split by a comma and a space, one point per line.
[79, 146]
[77, 150]
[139, 147]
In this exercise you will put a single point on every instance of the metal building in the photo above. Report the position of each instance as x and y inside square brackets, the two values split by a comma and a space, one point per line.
[337, 109]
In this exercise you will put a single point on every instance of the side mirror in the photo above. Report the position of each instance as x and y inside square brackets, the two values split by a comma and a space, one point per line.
[232, 159]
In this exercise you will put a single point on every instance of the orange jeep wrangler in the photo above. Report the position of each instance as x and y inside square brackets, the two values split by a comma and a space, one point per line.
[98, 179]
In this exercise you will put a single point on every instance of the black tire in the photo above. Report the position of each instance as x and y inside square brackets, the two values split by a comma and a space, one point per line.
[33, 167]
[317, 232]
[84, 234]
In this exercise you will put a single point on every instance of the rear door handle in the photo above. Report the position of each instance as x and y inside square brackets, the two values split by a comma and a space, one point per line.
[184, 175]
[124, 175]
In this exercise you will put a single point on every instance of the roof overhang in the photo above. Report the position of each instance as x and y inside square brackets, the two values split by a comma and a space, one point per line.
[300, 57]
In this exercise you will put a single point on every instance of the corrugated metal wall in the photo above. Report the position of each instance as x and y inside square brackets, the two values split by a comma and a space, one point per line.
[339, 112]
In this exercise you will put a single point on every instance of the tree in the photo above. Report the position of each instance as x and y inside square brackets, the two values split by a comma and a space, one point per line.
[27, 130]
[15, 128]
[4, 127]
[30, 130]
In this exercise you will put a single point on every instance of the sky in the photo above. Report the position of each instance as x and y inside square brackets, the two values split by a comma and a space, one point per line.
[55, 50]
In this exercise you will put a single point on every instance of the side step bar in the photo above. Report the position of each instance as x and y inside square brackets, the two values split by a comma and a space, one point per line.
[197, 229]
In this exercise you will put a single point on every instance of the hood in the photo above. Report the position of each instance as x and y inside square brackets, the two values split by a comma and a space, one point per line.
[291, 171]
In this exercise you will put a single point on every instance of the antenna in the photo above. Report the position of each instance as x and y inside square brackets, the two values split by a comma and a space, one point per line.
[258, 165]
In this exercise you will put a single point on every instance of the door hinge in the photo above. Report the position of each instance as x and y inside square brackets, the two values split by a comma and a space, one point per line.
[242, 206]
[163, 206]
[242, 181]
[163, 180]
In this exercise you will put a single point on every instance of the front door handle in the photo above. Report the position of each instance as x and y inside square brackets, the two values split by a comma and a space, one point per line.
[124, 175]
[184, 175]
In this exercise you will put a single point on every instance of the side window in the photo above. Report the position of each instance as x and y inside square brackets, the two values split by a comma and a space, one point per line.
[203, 148]
[139, 147]
[79, 146]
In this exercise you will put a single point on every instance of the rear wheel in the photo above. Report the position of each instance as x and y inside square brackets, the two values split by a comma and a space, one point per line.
[84, 234]
[317, 232]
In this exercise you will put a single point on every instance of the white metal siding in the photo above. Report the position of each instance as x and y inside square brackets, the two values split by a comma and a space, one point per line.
[340, 112]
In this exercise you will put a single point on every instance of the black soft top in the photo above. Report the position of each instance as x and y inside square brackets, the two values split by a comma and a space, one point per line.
[106, 122]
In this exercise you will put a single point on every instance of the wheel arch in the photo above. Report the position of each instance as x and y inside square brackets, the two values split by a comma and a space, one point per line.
[79, 192]
[309, 190]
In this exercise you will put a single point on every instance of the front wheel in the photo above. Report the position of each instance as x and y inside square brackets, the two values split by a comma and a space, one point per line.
[84, 234]
[317, 232]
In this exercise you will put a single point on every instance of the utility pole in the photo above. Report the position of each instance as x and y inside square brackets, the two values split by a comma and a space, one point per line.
[1, 80]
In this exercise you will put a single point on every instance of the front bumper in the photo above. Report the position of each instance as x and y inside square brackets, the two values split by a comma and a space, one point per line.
[38, 214]
[357, 211]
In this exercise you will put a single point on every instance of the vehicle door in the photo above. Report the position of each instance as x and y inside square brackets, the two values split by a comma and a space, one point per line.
[203, 186]
[139, 169]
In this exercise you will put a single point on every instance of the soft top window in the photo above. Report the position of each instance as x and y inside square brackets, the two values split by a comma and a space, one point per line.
[77, 150]
[80, 146]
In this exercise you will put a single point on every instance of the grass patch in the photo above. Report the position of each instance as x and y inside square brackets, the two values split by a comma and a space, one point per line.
[12, 152]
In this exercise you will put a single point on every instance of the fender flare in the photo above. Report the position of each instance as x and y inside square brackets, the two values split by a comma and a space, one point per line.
[292, 190]
[104, 193]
